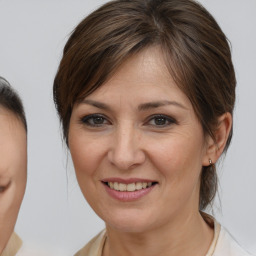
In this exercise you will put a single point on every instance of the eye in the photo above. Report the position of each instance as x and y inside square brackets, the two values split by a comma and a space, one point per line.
[161, 121]
[94, 120]
[4, 187]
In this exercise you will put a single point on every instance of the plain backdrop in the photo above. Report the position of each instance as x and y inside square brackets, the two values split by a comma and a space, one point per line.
[54, 213]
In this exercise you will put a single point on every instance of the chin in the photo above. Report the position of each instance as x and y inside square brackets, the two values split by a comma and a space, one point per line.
[128, 226]
[129, 221]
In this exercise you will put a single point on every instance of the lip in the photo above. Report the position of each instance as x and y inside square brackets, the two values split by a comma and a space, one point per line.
[127, 181]
[126, 196]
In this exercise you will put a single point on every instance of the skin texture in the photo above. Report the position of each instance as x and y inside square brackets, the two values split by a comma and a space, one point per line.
[130, 143]
[13, 172]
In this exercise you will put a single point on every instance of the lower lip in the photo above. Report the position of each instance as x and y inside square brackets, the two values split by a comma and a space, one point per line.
[128, 196]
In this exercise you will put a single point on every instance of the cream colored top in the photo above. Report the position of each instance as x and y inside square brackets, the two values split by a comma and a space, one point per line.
[15, 247]
[222, 245]
[12, 246]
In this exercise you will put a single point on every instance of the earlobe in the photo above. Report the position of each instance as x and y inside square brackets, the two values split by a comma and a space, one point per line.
[216, 146]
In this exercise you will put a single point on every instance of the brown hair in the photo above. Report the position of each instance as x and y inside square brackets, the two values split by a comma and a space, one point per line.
[196, 51]
[10, 100]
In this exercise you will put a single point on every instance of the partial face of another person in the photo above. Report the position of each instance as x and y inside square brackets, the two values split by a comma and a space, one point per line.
[138, 147]
[13, 171]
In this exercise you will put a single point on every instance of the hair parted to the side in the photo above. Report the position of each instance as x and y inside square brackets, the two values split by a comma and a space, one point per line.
[195, 49]
[10, 100]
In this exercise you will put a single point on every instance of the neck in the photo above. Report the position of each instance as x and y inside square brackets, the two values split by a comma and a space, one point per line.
[186, 235]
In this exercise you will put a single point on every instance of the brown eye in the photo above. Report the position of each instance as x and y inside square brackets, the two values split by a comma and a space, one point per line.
[2, 189]
[98, 120]
[95, 120]
[161, 121]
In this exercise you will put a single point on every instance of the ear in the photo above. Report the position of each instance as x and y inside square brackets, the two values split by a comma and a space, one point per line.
[214, 148]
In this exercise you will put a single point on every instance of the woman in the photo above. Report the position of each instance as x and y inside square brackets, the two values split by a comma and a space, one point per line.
[13, 166]
[145, 93]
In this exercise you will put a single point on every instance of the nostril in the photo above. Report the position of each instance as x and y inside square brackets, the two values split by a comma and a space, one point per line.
[126, 159]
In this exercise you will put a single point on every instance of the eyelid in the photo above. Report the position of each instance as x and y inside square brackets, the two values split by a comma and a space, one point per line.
[170, 119]
[84, 119]
[92, 115]
[4, 187]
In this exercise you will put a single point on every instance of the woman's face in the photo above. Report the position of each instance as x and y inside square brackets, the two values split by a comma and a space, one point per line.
[13, 171]
[138, 147]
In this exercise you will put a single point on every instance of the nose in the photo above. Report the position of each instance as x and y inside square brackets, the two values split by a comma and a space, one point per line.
[125, 151]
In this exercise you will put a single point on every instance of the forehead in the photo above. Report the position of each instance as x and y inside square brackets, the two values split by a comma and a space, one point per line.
[147, 64]
[13, 143]
[9, 121]
[12, 131]
[143, 76]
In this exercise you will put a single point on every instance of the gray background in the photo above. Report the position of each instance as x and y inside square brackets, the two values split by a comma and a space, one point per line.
[54, 213]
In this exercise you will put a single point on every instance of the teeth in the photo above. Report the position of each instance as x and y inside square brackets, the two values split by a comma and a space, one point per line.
[138, 185]
[116, 186]
[111, 184]
[129, 187]
[122, 187]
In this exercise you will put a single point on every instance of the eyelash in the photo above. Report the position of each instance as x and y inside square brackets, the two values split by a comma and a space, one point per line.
[2, 188]
[165, 118]
[102, 120]
[86, 120]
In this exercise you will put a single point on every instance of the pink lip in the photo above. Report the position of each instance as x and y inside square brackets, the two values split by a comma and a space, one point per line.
[126, 181]
[127, 196]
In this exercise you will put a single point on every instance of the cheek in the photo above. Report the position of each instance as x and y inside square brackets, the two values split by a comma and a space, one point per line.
[178, 159]
[15, 167]
[86, 154]
[10, 202]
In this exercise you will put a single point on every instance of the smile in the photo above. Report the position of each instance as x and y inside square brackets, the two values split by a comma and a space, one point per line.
[131, 187]
[128, 190]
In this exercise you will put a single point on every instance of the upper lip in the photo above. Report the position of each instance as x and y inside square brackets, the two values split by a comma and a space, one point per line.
[127, 181]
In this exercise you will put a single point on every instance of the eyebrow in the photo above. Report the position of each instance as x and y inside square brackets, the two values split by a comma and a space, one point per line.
[141, 107]
[96, 104]
[157, 104]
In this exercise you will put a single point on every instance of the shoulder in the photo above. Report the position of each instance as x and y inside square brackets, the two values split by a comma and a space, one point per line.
[228, 246]
[94, 246]
[29, 249]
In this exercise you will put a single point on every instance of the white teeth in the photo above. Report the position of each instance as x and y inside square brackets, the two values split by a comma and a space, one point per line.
[138, 185]
[129, 187]
[116, 186]
[122, 187]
